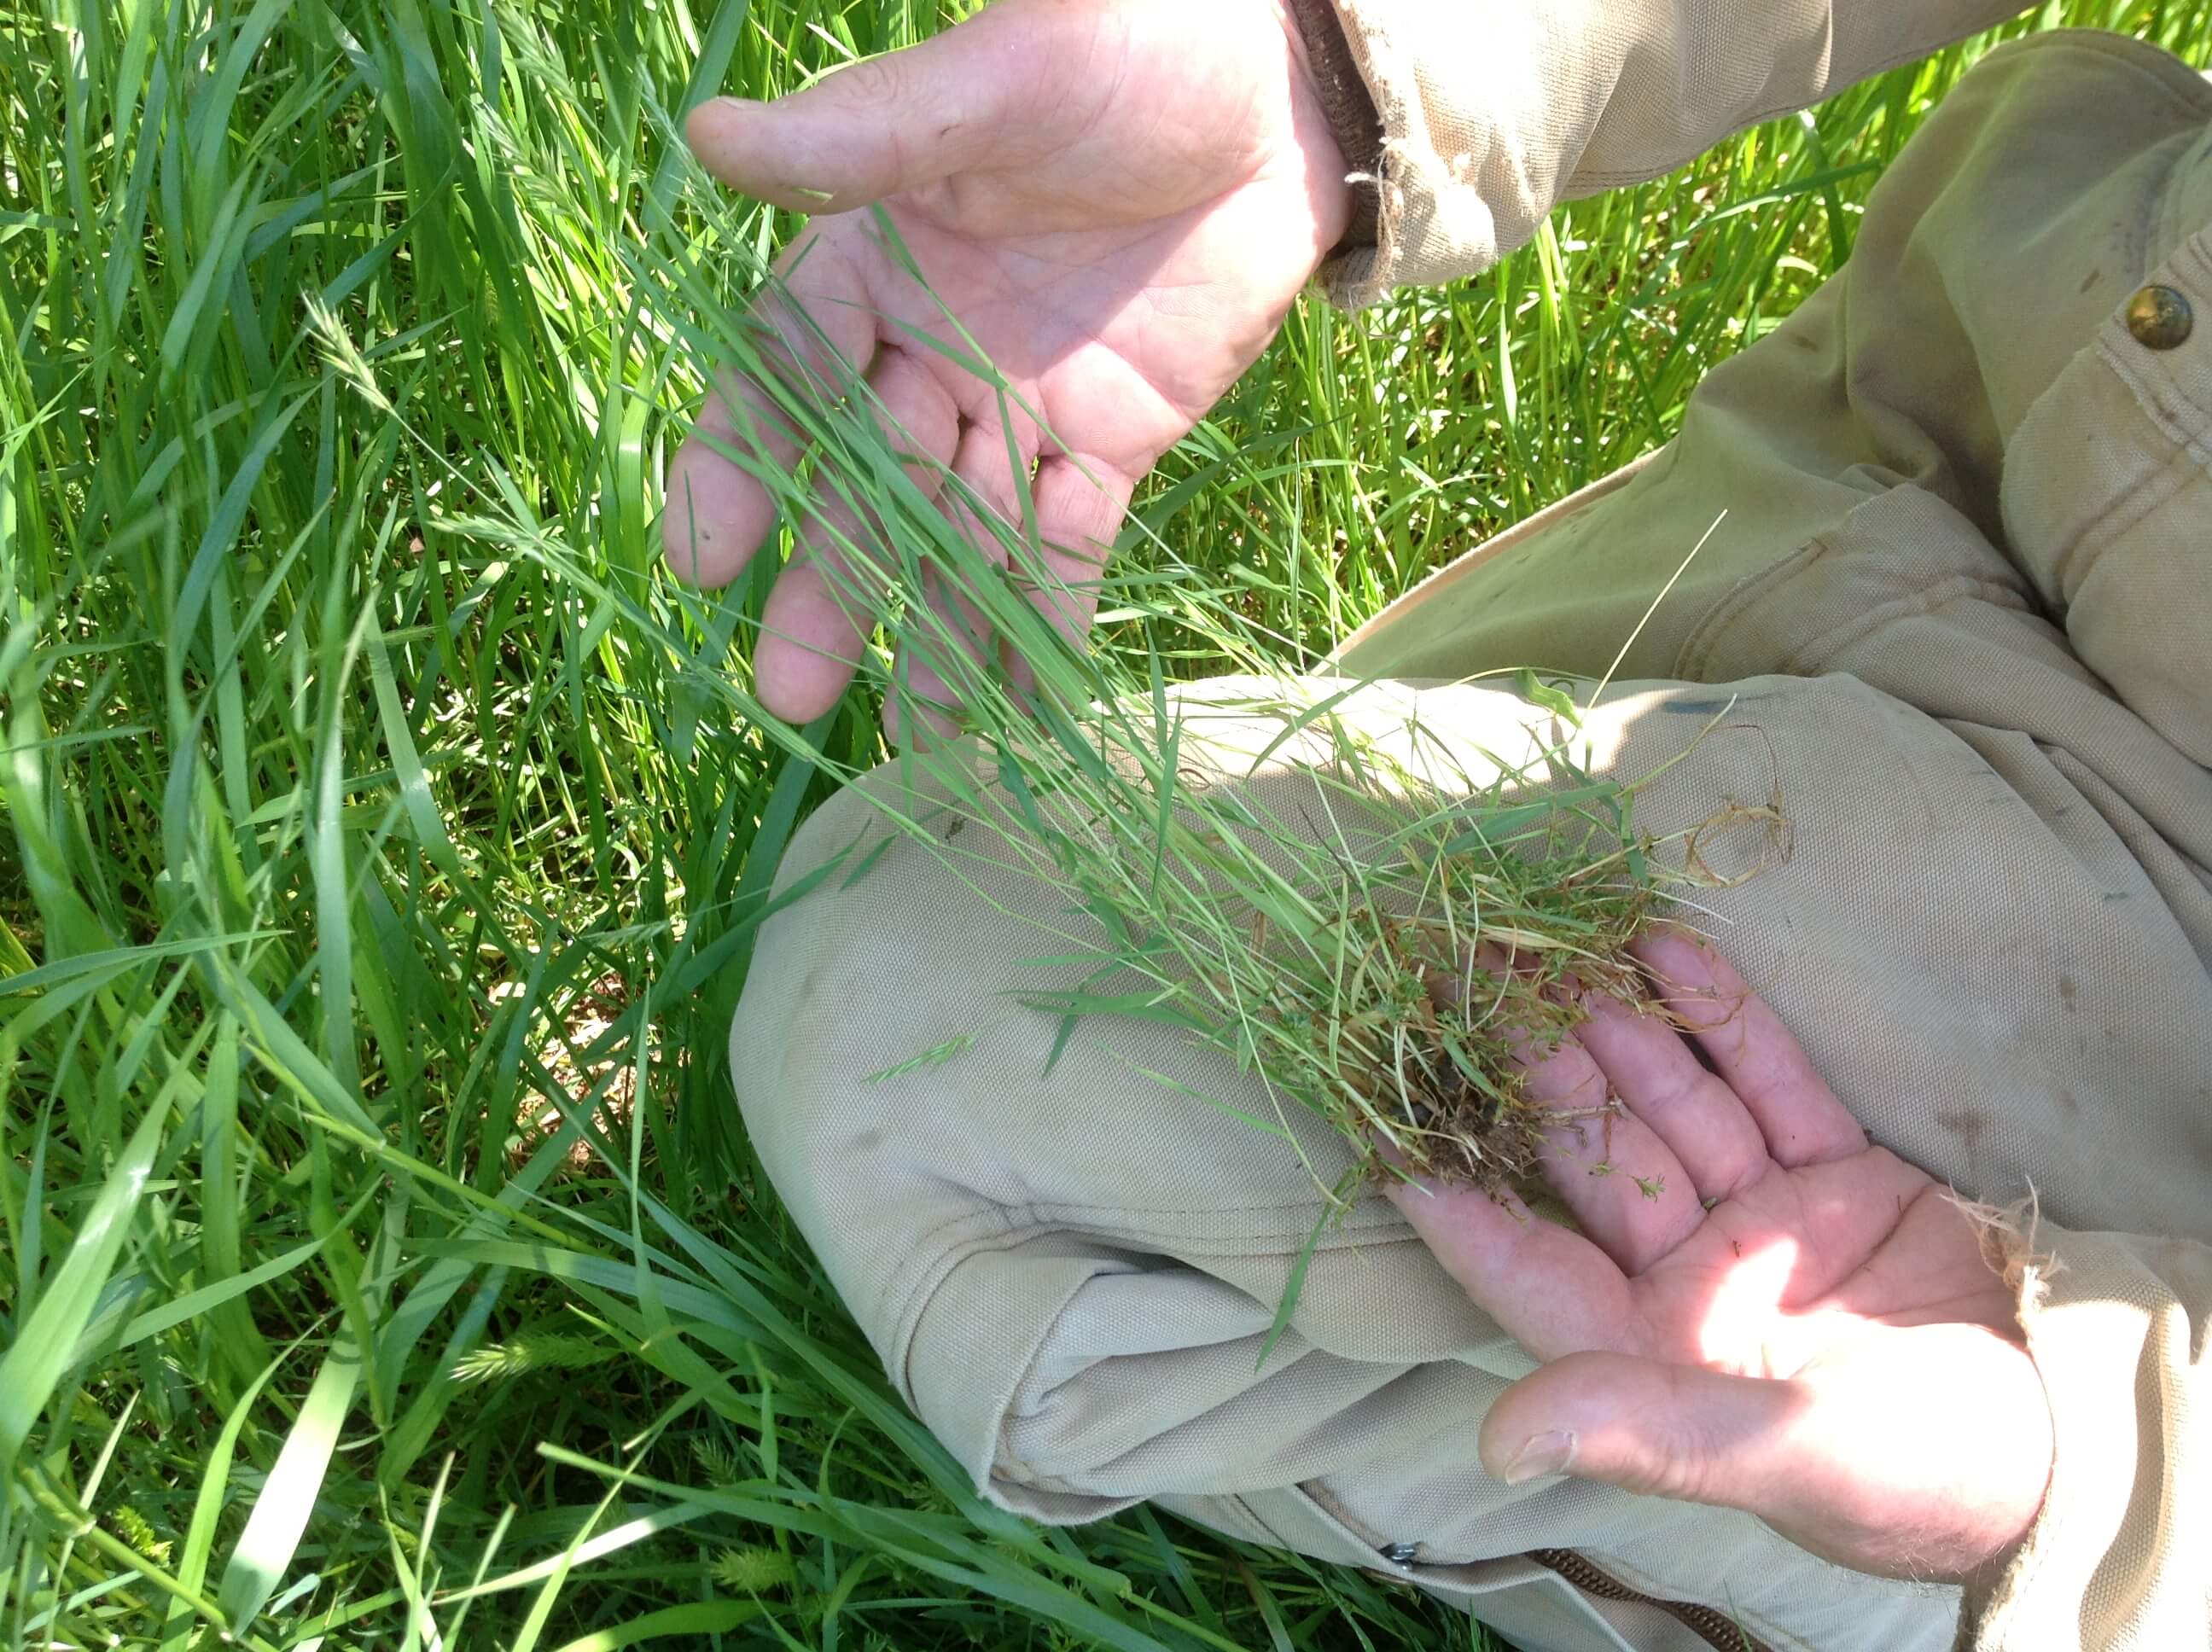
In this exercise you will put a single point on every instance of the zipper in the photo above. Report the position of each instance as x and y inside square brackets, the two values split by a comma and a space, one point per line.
[1715, 1627]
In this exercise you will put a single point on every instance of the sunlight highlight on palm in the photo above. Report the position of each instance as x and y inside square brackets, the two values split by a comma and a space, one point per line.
[1761, 1309]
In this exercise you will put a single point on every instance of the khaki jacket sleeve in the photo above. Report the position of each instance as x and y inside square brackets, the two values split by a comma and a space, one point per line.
[2121, 1556]
[1491, 115]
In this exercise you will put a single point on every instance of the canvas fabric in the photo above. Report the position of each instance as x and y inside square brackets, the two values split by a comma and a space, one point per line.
[1493, 114]
[1955, 621]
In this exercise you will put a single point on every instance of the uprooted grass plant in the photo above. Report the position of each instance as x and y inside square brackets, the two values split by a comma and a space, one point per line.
[387, 838]
[1373, 946]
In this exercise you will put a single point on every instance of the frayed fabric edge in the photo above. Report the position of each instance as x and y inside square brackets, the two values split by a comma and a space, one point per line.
[2007, 1233]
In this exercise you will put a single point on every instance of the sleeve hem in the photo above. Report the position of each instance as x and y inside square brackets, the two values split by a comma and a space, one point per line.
[2111, 1560]
[1350, 109]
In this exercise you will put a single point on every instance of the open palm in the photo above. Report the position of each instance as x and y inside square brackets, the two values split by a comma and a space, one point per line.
[1761, 1310]
[1117, 203]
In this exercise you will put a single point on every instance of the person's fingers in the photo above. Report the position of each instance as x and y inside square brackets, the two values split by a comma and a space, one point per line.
[923, 701]
[1077, 507]
[816, 334]
[716, 515]
[1664, 1429]
[1688, 1107]
[881, 125]
[952, 638]
[1080, 501]
[1798, 1114]
[1553, 1291]
[818, 615]
[1624, 1185]
[1919, 1452]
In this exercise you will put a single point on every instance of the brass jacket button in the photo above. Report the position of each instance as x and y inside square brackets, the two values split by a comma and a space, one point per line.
[2159, 319]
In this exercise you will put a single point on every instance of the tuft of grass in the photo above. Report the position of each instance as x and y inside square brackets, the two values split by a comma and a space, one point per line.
[1327, 940]
[386, 839]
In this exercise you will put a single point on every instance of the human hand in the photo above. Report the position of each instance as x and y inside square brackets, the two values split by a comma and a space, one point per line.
[1117, 201]
[1825, 1347]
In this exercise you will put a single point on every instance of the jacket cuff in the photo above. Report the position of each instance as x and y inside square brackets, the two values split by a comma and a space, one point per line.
[1487, 117]
[1430, 158]
[1349, 108]
[2119, 1555]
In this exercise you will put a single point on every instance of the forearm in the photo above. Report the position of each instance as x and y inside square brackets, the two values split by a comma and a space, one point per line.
[1484, 118]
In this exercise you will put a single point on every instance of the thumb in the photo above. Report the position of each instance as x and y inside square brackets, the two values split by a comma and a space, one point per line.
[1924, 1457]
[872, 128]
[1666, 1430]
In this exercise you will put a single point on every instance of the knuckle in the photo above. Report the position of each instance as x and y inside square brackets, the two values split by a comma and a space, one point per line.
[1675, 1090]
[1681, 1465]
[1738, 1170]
[871, 83]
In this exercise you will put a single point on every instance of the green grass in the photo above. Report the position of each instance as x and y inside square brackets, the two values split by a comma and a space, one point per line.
[384, 1261]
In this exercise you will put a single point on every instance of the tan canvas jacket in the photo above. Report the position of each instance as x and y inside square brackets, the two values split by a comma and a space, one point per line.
[1478, 143]
[1958, 615]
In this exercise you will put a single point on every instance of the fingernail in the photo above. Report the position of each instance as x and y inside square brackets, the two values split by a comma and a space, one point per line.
[1540, 1455]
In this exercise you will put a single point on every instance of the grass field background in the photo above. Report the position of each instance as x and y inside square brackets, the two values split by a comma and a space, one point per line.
[384, 1263]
